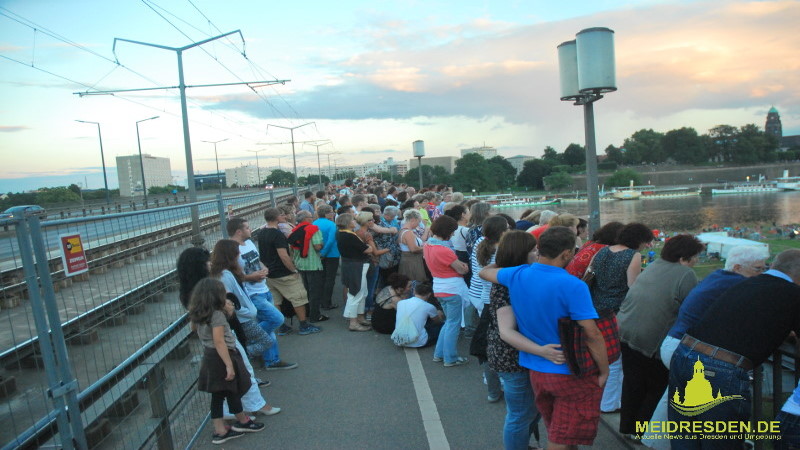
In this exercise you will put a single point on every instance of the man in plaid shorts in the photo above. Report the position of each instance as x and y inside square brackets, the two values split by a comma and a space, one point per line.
[542, 293]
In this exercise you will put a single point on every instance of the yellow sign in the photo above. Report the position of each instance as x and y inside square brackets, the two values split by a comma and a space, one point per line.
[698, 395]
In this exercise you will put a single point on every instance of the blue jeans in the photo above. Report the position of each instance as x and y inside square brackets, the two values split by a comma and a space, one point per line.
[448, 338]
[372, 283]
[521, 413]
[269, 318]
[790, 432]
[724, 378]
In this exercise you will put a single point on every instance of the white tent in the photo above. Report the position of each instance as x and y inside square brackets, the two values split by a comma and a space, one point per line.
[722, 243]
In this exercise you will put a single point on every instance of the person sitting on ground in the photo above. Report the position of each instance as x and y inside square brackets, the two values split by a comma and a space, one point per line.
[425, 317]
[385, 313]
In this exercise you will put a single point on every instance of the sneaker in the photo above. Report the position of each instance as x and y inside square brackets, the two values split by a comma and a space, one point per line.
[437, 359]
[283, 330]
[309, 329]
[492, 399]
[263, 383]
[321, 318]
[249, 427]
[460, 361]
[281, 365]
[231, 434]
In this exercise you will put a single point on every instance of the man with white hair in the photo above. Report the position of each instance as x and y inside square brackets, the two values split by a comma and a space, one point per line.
[743, 262]
[544, 223]
[737, 333]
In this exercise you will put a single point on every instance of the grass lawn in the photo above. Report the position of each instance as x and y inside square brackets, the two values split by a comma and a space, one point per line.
[705, 267]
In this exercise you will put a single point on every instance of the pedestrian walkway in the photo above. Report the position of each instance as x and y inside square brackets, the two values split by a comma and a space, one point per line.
[359, 391]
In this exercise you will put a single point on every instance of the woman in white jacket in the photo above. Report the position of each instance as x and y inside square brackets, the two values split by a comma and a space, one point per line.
[225, 266]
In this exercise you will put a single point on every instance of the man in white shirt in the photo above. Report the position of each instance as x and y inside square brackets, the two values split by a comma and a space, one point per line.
[425, 317]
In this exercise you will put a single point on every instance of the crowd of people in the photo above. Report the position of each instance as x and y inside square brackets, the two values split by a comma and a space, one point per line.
[431, 267]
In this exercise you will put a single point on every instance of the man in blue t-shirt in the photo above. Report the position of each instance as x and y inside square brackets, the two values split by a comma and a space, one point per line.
[541, 294]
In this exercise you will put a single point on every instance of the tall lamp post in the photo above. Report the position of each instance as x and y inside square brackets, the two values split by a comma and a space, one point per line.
[319, 166]
[102, 159]
[219, 180]
[419, 152]
[141, 161]
[587, 71]
[258, 169]
[294, 158]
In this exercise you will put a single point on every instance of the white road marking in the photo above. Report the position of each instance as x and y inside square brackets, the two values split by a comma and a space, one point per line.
[427, 407]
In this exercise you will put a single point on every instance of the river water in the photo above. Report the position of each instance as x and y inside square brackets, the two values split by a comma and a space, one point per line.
[693, 213]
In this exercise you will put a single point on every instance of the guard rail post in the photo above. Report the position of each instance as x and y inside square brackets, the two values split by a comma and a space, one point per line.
[223, 221]
[62, 390]
[158, 403]
[272, 198]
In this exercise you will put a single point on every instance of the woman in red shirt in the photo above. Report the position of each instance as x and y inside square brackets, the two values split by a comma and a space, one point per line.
[448, 286]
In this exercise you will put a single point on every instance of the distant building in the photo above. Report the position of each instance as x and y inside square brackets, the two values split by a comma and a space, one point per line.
[448, 162]
[518, 162]
[486, 152]
[773, 126]
[157, 173]
[209, 179]
[244, 176]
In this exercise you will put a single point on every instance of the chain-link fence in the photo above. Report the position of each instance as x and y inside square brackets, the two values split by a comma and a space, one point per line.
[94, 344]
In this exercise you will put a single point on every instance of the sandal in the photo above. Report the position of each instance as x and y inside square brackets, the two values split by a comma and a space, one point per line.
[365, 324]
[359, 328]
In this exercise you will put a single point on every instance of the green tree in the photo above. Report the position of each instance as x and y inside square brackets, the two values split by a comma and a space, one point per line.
[59, 194]
[430, 175]
[314, 179]
[154, 190]
[474, 172]
[347, 175]
[280, 178]
[684, 146]
[722, 142]
[533, 172]
[558, 181]
[574, 155]
[644, 146]
[623, 177]
[551, 156]
[615, 154]
[503, 172]
[753, 145]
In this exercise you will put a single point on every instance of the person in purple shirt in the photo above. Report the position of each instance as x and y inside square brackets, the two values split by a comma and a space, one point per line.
[541, 294]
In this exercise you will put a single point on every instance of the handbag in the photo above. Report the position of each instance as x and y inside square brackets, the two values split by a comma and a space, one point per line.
[589, 277]
[573, 343]
[405, 332]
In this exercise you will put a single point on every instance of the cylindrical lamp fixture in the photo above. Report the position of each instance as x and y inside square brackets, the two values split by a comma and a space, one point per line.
[419, 148]
[595, 54]
[568, 70]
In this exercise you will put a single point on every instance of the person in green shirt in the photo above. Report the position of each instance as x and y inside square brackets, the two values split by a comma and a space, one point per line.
[305, 254]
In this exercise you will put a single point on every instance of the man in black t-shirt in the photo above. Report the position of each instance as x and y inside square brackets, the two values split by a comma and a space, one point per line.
[710, 371]
[283, 279]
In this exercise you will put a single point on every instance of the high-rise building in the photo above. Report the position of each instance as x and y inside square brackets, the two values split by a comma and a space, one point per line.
[773, 126]
[244, 176]
[518, 162]
[486, 152]
[157, 173]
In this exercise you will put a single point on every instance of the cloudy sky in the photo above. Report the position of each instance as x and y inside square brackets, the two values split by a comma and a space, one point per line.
[373, 76]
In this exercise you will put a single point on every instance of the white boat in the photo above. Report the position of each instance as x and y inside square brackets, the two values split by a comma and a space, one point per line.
[627, 194]
[788, 183]
[747, 188]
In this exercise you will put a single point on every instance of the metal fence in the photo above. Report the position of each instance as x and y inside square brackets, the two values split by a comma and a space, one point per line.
[103, 358]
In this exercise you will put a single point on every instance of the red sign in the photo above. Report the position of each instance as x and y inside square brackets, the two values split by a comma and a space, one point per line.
[72, 254]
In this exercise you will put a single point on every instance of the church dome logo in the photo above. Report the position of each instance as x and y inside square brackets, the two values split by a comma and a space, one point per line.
[698, 396]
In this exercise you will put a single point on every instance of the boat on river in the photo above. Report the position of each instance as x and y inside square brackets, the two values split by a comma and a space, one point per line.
[788, 183]
[747, 188]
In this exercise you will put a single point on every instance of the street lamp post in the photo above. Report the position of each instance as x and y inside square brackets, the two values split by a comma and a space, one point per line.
[216, 159]
[319, 166]
[258, 169]
[294, 158]
[419, 152]
[141, 160]
[102, 159]
[587, 71]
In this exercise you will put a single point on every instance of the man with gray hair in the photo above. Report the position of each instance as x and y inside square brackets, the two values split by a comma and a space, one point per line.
[738, 332]
[743, 262]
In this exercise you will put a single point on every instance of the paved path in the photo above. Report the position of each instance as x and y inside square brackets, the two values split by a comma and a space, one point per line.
[359, 391]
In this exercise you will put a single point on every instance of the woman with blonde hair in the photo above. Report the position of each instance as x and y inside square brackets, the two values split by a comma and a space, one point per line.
[411, 261]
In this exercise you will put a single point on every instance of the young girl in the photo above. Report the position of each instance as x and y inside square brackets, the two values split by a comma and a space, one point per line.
[222, 371]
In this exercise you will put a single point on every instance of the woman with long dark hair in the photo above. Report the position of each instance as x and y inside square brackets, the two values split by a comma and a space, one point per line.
[193, 266]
